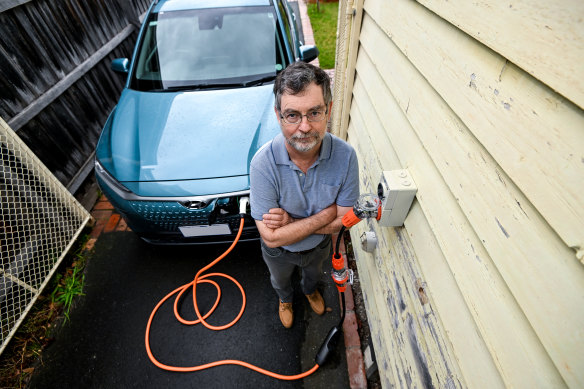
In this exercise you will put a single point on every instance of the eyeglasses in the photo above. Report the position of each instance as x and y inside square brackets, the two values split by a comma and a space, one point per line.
[293, 117]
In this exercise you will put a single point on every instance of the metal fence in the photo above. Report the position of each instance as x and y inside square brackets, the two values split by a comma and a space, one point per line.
[39, 222]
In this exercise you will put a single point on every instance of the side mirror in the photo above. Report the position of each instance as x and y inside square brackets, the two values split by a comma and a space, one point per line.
[308, 53]
[121, 65]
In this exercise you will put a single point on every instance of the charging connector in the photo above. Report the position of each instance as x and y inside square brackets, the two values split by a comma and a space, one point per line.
[243, 202]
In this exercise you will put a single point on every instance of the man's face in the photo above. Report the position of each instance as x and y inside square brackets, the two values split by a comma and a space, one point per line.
[305, 135]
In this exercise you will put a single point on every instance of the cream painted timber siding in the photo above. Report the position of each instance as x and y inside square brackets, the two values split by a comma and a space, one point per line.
[483, 286]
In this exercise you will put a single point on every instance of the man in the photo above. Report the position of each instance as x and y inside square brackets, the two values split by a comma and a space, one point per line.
[302, 183]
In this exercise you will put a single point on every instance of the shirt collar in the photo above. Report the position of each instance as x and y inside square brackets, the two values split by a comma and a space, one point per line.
[326, 147]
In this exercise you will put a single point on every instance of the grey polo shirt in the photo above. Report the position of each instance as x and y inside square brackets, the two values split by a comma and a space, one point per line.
[276, 182]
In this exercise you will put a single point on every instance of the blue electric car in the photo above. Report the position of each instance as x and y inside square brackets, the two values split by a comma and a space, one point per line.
[173, 157]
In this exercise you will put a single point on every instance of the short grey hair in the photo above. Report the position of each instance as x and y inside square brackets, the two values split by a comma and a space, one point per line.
[296, 78]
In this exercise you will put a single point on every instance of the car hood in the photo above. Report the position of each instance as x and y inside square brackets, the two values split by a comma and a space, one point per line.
[174, 136]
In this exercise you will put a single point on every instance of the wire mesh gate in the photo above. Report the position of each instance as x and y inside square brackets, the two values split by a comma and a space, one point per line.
[39, 222]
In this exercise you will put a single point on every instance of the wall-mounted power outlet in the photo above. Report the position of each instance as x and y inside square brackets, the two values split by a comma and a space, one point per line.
[396, 190]
[369, 241]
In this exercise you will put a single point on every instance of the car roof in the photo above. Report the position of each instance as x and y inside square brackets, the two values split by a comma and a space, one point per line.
[176, 5]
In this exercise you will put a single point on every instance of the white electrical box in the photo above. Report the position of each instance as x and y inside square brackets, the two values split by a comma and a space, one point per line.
[396, 190]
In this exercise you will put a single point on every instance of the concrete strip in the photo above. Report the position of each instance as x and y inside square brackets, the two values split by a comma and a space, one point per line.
[307, 27]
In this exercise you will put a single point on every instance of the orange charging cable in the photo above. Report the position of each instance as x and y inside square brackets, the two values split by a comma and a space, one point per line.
[199, 278]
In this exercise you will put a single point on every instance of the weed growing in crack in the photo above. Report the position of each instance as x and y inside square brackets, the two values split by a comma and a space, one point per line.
[70, 286]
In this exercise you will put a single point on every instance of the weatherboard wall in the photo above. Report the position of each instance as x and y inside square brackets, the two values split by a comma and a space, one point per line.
[482, 102]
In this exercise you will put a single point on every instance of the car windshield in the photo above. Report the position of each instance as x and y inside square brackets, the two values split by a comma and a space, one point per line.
[208, 48]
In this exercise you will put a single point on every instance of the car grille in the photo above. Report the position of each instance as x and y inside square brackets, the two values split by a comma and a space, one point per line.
[171, 215]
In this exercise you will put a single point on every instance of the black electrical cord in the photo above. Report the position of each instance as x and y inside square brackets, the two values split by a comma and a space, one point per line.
[336, 251]
[342, 309]
[332, 338]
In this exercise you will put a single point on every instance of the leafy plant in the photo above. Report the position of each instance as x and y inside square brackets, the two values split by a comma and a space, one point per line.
[69, 286]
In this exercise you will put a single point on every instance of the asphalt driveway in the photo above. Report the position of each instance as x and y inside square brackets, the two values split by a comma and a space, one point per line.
[102, 346]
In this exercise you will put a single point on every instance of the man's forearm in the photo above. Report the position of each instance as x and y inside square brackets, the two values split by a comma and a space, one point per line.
[331, 228]
[335, 225]
[298, 229]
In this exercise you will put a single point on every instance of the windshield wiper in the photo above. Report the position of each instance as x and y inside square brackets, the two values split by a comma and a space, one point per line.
[203, 86]
[260, 81]
[196, 87]
[216, 85]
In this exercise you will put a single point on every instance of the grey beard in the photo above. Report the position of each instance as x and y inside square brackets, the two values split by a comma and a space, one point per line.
[292, 141]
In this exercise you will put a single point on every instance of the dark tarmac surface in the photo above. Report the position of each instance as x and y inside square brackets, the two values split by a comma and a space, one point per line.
[102, 346]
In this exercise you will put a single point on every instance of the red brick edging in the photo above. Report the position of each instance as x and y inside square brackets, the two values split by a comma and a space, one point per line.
[105, 219]
[355, 362]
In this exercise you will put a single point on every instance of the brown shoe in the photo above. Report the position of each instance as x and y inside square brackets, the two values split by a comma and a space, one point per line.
[316, 302]
[286, 314]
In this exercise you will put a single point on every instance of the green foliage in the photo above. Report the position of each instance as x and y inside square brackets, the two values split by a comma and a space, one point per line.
[69, 286]
[324, 27]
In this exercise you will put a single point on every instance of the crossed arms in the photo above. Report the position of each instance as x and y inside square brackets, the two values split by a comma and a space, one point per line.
[278, 228]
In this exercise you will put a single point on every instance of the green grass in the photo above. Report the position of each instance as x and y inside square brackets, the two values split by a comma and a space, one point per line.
[70, 284]
[324, 27]
[69, 287]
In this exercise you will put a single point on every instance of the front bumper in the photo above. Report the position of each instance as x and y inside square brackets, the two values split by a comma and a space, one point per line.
[157, 220]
